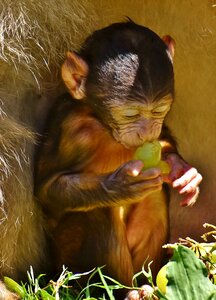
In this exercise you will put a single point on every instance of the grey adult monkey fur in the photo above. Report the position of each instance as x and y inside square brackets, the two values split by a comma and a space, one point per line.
[34, 36]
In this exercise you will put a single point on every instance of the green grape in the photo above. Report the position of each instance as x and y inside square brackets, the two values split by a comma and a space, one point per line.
[150, 154]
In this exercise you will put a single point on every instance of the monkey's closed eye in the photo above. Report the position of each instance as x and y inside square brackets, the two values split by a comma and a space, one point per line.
[131, 113]
[160, 110]
[157, 113]
[133, 117]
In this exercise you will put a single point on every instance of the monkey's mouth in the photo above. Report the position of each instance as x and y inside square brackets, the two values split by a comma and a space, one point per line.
[131, 144]
[135, 138]
[129, 140]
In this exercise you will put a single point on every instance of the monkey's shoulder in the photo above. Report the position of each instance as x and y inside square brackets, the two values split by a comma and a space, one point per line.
[72, 127]
[80, 123]
[70, 116]
[61, 108]
[69, 139]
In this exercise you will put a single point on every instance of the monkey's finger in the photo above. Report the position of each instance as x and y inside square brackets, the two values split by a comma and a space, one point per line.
[143, 186]
[150, 173]
[176, 173]
[142, 194]
[133, 168]
[192, 185]
[190, 199]
[185, 179]
[178, 166]
[145, 176]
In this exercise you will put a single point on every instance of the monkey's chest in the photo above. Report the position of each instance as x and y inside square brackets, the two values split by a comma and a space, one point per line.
[108, 157]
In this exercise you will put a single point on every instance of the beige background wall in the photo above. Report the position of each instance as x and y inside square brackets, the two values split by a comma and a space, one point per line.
[193, 118]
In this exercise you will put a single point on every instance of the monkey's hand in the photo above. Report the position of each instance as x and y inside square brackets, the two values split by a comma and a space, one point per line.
[183, 177]
[131, 181]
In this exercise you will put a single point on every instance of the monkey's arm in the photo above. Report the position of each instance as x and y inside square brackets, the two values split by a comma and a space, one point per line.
[168, 142]
[67, 191]
[183, 176]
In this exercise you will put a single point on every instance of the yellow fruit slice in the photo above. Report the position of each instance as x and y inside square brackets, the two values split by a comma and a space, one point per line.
[164, 166]
[161, 280]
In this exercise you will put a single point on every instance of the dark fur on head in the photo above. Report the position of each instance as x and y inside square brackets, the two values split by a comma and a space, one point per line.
[127, 61]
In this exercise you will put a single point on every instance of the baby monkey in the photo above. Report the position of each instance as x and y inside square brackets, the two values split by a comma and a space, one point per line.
[101, 207]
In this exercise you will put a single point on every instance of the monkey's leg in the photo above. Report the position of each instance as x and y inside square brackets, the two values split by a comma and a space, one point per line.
[85, 240]
[147, 231]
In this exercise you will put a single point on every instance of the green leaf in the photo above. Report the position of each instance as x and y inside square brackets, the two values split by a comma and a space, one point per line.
[45, 295]
[188, 277]
[14, 286]
[109, 292]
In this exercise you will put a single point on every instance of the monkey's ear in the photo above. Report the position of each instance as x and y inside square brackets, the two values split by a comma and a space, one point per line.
[74, 72]
[170, 42]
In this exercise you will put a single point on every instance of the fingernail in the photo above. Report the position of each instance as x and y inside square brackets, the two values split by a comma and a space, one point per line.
[175, 184]
[135, 173]
[182, 191]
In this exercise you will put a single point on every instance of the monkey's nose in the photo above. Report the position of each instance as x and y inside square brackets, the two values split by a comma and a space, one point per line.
[143, 136]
